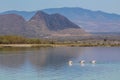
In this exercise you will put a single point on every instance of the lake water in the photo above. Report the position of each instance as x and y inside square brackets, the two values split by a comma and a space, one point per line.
[52, 63]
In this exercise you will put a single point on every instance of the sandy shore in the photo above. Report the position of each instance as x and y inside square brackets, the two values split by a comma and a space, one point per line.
[30, 45]
[54, 45]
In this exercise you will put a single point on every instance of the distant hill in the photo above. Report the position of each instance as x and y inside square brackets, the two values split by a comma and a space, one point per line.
[91, 21]
[53, 22]
[40, 25]
[13, 24]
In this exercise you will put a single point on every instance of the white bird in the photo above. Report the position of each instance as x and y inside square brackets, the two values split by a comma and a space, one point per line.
[93, 61]
[70, 63]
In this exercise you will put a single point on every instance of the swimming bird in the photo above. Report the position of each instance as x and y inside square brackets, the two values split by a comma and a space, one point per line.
[93, 61]
[70, 63]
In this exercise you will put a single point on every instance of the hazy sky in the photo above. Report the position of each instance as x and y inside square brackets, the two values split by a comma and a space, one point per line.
[111, 6]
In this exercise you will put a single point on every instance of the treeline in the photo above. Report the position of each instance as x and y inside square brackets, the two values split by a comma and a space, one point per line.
[8, 39]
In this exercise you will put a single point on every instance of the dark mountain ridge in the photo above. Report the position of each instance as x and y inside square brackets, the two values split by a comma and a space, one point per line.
[54, 21]
[55, 25]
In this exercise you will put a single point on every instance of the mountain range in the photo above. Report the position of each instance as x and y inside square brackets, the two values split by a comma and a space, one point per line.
[39, 25]
[91, 21]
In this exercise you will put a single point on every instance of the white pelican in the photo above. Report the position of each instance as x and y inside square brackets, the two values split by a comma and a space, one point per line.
[70, 63]
[93, 61]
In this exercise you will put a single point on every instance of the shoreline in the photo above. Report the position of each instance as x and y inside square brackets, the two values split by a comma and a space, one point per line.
[55, 45]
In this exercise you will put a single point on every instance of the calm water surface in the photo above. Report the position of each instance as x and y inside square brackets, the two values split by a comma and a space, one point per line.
[52, 63]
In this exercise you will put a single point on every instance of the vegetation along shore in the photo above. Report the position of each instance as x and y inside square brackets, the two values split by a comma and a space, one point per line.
[18, 41]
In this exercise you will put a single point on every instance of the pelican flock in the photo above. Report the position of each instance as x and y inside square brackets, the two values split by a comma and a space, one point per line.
[82, 62]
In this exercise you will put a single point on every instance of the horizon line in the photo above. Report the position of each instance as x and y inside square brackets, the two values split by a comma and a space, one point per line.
[60, 8]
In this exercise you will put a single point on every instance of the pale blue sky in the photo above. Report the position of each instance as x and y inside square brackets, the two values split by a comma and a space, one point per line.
[111, 6]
